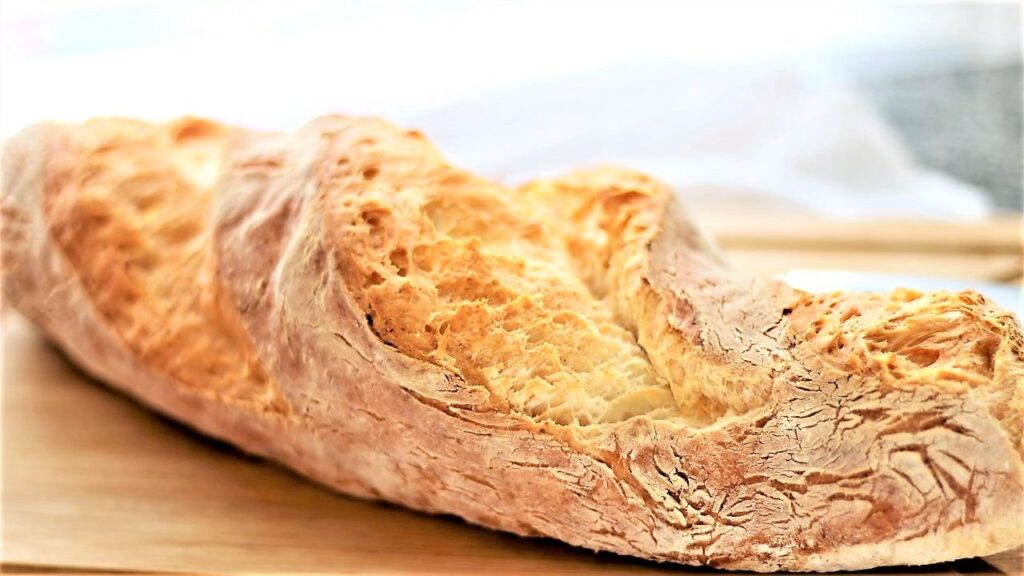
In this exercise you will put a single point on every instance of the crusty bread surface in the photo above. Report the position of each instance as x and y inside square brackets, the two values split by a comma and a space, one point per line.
[570, 358]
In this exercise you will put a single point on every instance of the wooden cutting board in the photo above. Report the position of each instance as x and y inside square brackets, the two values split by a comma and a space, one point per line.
[92, 482]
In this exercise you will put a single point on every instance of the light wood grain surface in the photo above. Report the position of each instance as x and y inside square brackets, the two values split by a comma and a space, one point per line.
[92, 482]
[991, 249]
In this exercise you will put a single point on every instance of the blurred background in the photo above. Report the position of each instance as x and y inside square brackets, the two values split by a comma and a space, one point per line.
[839, 109]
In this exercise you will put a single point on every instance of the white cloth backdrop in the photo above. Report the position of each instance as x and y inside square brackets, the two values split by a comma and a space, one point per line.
[518, 90]
[796, 134]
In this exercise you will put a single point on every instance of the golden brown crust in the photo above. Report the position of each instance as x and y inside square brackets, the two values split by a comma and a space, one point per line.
[709, 333]
[129, 204]
[453, 270]
[569, 359]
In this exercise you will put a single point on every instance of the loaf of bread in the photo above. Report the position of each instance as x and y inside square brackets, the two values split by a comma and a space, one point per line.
[570, 359]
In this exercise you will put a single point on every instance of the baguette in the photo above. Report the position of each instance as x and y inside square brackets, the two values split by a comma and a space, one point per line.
[570, 359]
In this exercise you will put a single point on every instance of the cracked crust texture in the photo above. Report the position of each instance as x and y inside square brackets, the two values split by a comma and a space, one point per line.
[568, 359]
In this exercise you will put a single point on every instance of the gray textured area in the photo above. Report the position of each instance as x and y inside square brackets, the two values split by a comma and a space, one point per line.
[964, 122]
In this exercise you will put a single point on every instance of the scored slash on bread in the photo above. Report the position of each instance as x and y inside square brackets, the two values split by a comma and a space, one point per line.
[571, 358]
